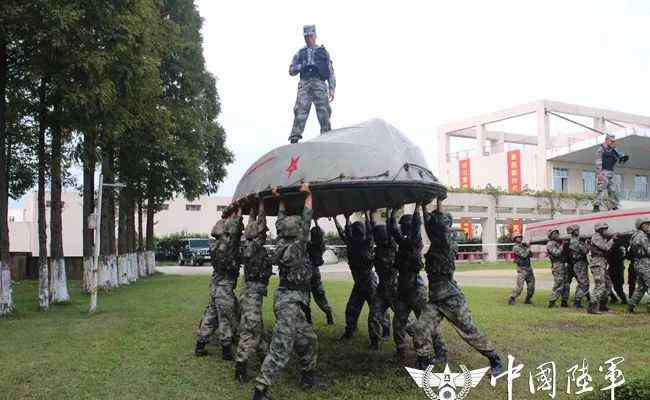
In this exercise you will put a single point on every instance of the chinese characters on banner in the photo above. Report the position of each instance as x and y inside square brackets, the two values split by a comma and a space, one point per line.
[513, 158]
[465, 177]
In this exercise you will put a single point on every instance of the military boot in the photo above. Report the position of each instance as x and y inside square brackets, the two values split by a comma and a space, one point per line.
[200, 350]
[330, 318]
[294, 139]
[551, 304]
[423, 362]
[603, 306]
[374, 344]
[511, 301]
[565, 304]
[309, 380]
[593, 308]
[308, 315]
[596, 208]
[226, 353]
[630, 308]
[495, 364]
[260, 394]
[241, 372]
[529, 300]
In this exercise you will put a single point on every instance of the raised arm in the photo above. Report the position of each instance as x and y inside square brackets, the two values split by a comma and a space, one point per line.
[416, 223]
[340, 230]
[307, 212]
[282, 208]
[393, 229]
[599, 159]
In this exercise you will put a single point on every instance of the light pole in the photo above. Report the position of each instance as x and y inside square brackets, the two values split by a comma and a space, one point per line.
[98, 224]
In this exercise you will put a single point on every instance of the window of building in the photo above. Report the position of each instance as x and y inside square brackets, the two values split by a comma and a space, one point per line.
[192, 207]
[561, 180]
[589, 181]
[641, 184]
[221, 208]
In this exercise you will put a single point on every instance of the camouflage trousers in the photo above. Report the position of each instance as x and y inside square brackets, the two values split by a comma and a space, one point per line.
[228, 312]
[415, 302]
[251, 326]
[292, 332]
[526, 276]
[456, 310]
[312, 90]
[642, 268]
[318, 291]
[360, 295]
[210, 320]
[606, 197]
[379, 315]
[559, 275]
[602, 281]
[569, 276]
[580, 272]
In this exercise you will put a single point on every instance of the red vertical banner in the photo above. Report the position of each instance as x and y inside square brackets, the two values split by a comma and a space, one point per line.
[464, 174]
[514, 170]
[516, 227]
[467, 226]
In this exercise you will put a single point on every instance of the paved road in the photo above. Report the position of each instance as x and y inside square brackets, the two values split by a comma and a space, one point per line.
[340, 271]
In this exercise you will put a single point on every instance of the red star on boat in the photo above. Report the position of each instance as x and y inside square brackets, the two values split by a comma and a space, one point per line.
[293, 165]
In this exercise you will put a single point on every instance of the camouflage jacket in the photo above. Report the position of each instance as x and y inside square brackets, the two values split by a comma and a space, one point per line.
[578, 250]
[291, 252]
[522, 256]
[555, 251]
[385, 268]
[409, 253]
[226, 254]
[315, 253]
[640, 248]
[440, 258]
[600, 245]
[257, 264]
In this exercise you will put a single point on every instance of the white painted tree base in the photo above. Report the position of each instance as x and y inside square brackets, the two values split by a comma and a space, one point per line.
[104, 278]
[112, 267]
[7, 306]
[151, 262]
[142, 264]
[87, 278]
[122, 269]
[59, 283]
[43, 286]
[133, 267]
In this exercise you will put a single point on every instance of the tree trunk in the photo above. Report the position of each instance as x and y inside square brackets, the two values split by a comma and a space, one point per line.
[105, 251]
[142, 265]
[122, 240]
[6, 298]
[43, 283]
[151, 255]
[58, 281]
[130, 224]
[89, 158]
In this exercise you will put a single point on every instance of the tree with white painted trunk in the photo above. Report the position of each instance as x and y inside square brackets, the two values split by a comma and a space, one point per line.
[58, 280]
[43, 270]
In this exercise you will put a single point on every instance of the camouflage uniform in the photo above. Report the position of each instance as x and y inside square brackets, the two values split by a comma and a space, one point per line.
[360, 257]
[606, 159]
[315, 68]
[386, 296]
[257, 271]
[315, 252]
[292, 331]
[578, 251]
[227, 256]
[554, 251]
[640, 247]
[445, 297]
[602, 282]
[525, 272]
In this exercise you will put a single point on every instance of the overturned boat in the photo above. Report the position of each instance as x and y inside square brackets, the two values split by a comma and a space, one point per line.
[367, 166]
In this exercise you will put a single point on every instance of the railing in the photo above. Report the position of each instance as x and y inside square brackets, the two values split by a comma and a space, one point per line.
[633, 196]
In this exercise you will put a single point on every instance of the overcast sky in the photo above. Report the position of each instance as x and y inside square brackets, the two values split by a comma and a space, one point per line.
[421, 64]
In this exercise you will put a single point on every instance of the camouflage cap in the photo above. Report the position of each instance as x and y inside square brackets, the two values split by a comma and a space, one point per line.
[609, 136]
[219, 228]
[309, 30]
[641, 221]
[572, 228]
[601, 225]
[550, 232]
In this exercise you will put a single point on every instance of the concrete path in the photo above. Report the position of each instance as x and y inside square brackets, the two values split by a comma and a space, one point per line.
[340, 271]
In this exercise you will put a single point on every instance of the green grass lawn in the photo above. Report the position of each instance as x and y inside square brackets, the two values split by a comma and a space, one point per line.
[139, 345]
[485, 265]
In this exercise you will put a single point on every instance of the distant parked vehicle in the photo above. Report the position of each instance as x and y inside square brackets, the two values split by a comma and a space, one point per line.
[194, 251]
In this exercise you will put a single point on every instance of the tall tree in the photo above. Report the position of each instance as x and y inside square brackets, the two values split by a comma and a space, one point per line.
[6, 298]
[43, 271]
[58, 279]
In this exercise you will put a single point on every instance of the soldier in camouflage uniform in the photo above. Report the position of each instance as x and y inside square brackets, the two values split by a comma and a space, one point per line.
[292, 331]
[555, 251]
[601, 244]
[358, 241]
[386, 295]
[578, 251]
[606, 159]
[315, 249]
[445, 297]
[210, 320]
[640, 249]
[314, 65]
[257, 271]
[525, 272]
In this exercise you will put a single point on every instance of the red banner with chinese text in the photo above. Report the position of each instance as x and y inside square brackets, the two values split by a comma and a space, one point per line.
[464, 174]
[467, 226]
[514, 170]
